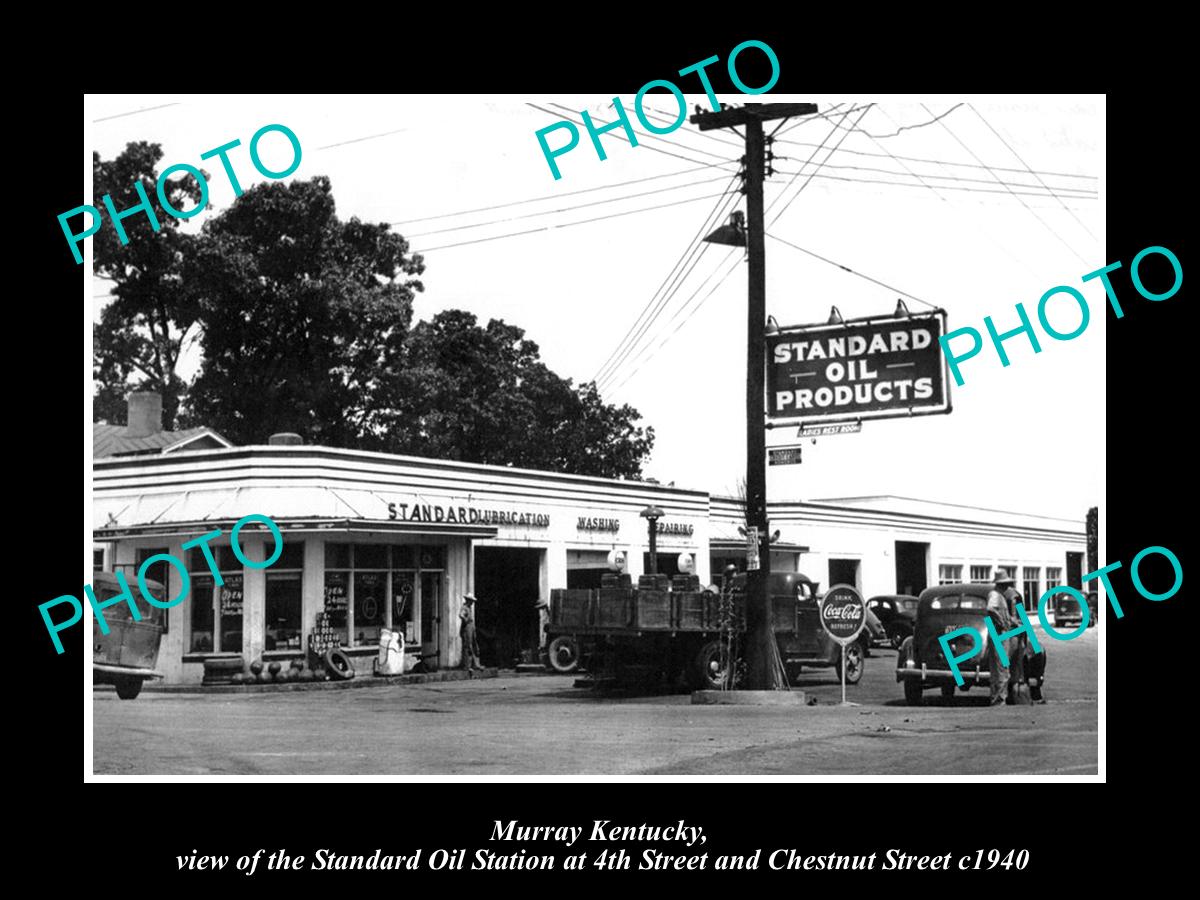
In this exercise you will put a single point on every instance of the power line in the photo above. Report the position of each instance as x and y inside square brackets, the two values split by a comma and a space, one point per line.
[1019, 200]
[685, 304]
[1077, 192]
[369, 137]
[696, 309]
[628, 212]
[603, 187]
[939, 162]
[851, 271]
[134, 112]
[671, 285]
[940, 187]
[657, 137]
[901, 128]
[804, 120]
[662, 293]
[818, 168]
[548, 212]
[1070, 211]
[665, 117]
[622, 137]
[796, 175]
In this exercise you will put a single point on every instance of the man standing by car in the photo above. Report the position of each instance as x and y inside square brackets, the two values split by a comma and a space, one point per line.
[1001, 616]
[1016, 657]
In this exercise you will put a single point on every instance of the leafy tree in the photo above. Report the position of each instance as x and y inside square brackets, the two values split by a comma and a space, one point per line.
[481, 394]
[142, 330]
[304, 317]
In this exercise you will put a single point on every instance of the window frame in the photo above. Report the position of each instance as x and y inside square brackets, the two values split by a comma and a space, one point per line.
[401, 559]
[950, 573]
[197, 566]
[985, 568]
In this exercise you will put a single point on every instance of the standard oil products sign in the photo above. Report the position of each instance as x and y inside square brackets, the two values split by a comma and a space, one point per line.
[877, 367]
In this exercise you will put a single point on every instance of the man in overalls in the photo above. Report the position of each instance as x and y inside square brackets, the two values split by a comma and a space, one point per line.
[1001, 616]
[1020, 647]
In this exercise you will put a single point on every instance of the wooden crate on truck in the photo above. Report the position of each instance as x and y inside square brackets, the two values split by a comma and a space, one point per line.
[571, 608]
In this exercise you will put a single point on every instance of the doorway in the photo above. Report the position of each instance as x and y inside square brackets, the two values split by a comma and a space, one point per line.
[844, 571]
[1075, 570]
[911, 559]
[507, 589]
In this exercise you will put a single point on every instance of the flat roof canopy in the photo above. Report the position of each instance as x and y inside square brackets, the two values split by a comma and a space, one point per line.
[312, 526]
[740, 544]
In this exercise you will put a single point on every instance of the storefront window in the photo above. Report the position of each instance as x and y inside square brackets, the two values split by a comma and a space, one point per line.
[948, 574]
[361, 579]
[1031, 575]
[981, 574]
[370, 607]
[433, 557]
[403, 600]
[337, 601]
[1053, 576]
[282, 620]
[282, 623]
[211, 604]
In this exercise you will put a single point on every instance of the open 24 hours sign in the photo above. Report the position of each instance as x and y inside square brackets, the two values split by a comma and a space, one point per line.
[872, 368]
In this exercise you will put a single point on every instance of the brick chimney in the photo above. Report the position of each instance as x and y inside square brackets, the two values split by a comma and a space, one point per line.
[145, 414]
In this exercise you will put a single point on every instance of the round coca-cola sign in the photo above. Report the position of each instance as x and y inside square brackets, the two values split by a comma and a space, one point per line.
[843, 613]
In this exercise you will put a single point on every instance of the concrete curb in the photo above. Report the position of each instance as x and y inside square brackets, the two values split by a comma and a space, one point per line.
[356, 682]
[748, 698]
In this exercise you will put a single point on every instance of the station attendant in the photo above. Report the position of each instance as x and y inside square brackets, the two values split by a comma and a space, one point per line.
[466, 629]
[998, 609]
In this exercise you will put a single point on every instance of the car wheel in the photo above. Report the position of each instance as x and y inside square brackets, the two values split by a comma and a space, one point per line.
[564, 654]
[711, 669]
[913, 695]
[948, 691]
[128, 688]
[855, 664]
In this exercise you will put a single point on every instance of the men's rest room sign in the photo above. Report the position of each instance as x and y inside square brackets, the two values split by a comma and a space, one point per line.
[883, 366]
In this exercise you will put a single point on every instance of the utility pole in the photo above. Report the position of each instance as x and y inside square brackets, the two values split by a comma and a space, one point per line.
[761, 674]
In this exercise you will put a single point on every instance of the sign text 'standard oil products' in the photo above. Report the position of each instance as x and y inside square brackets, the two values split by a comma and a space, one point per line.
[880, 367]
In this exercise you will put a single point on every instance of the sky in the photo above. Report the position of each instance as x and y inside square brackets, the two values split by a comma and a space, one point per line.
[1028, 437]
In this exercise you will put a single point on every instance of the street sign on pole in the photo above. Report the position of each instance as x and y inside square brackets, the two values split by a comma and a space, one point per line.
[843, 615]
[807, 430]
[784, 456]
[752, 562]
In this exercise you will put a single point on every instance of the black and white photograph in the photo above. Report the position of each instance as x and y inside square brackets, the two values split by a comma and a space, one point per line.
[698, 432]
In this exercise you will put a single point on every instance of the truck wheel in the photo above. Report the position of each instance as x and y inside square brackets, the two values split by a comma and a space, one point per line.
[854, 664]
[563, 654]
[948, 691]
[913, 695]
[711, 669]
[128, 688]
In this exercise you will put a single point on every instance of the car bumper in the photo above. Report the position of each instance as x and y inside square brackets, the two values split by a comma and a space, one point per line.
[126, 670]
[926, 675]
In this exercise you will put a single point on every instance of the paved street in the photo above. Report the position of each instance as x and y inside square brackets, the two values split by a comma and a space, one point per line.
[542, 725]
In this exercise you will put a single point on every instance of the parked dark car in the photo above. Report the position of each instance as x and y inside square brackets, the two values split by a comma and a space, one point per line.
[921, 664]
[796, 620]
[873, 633]
[896, 613]
[1068, 614]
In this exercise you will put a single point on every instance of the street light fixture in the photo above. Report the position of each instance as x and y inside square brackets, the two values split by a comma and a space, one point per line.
[652, 514]
[732, 233]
